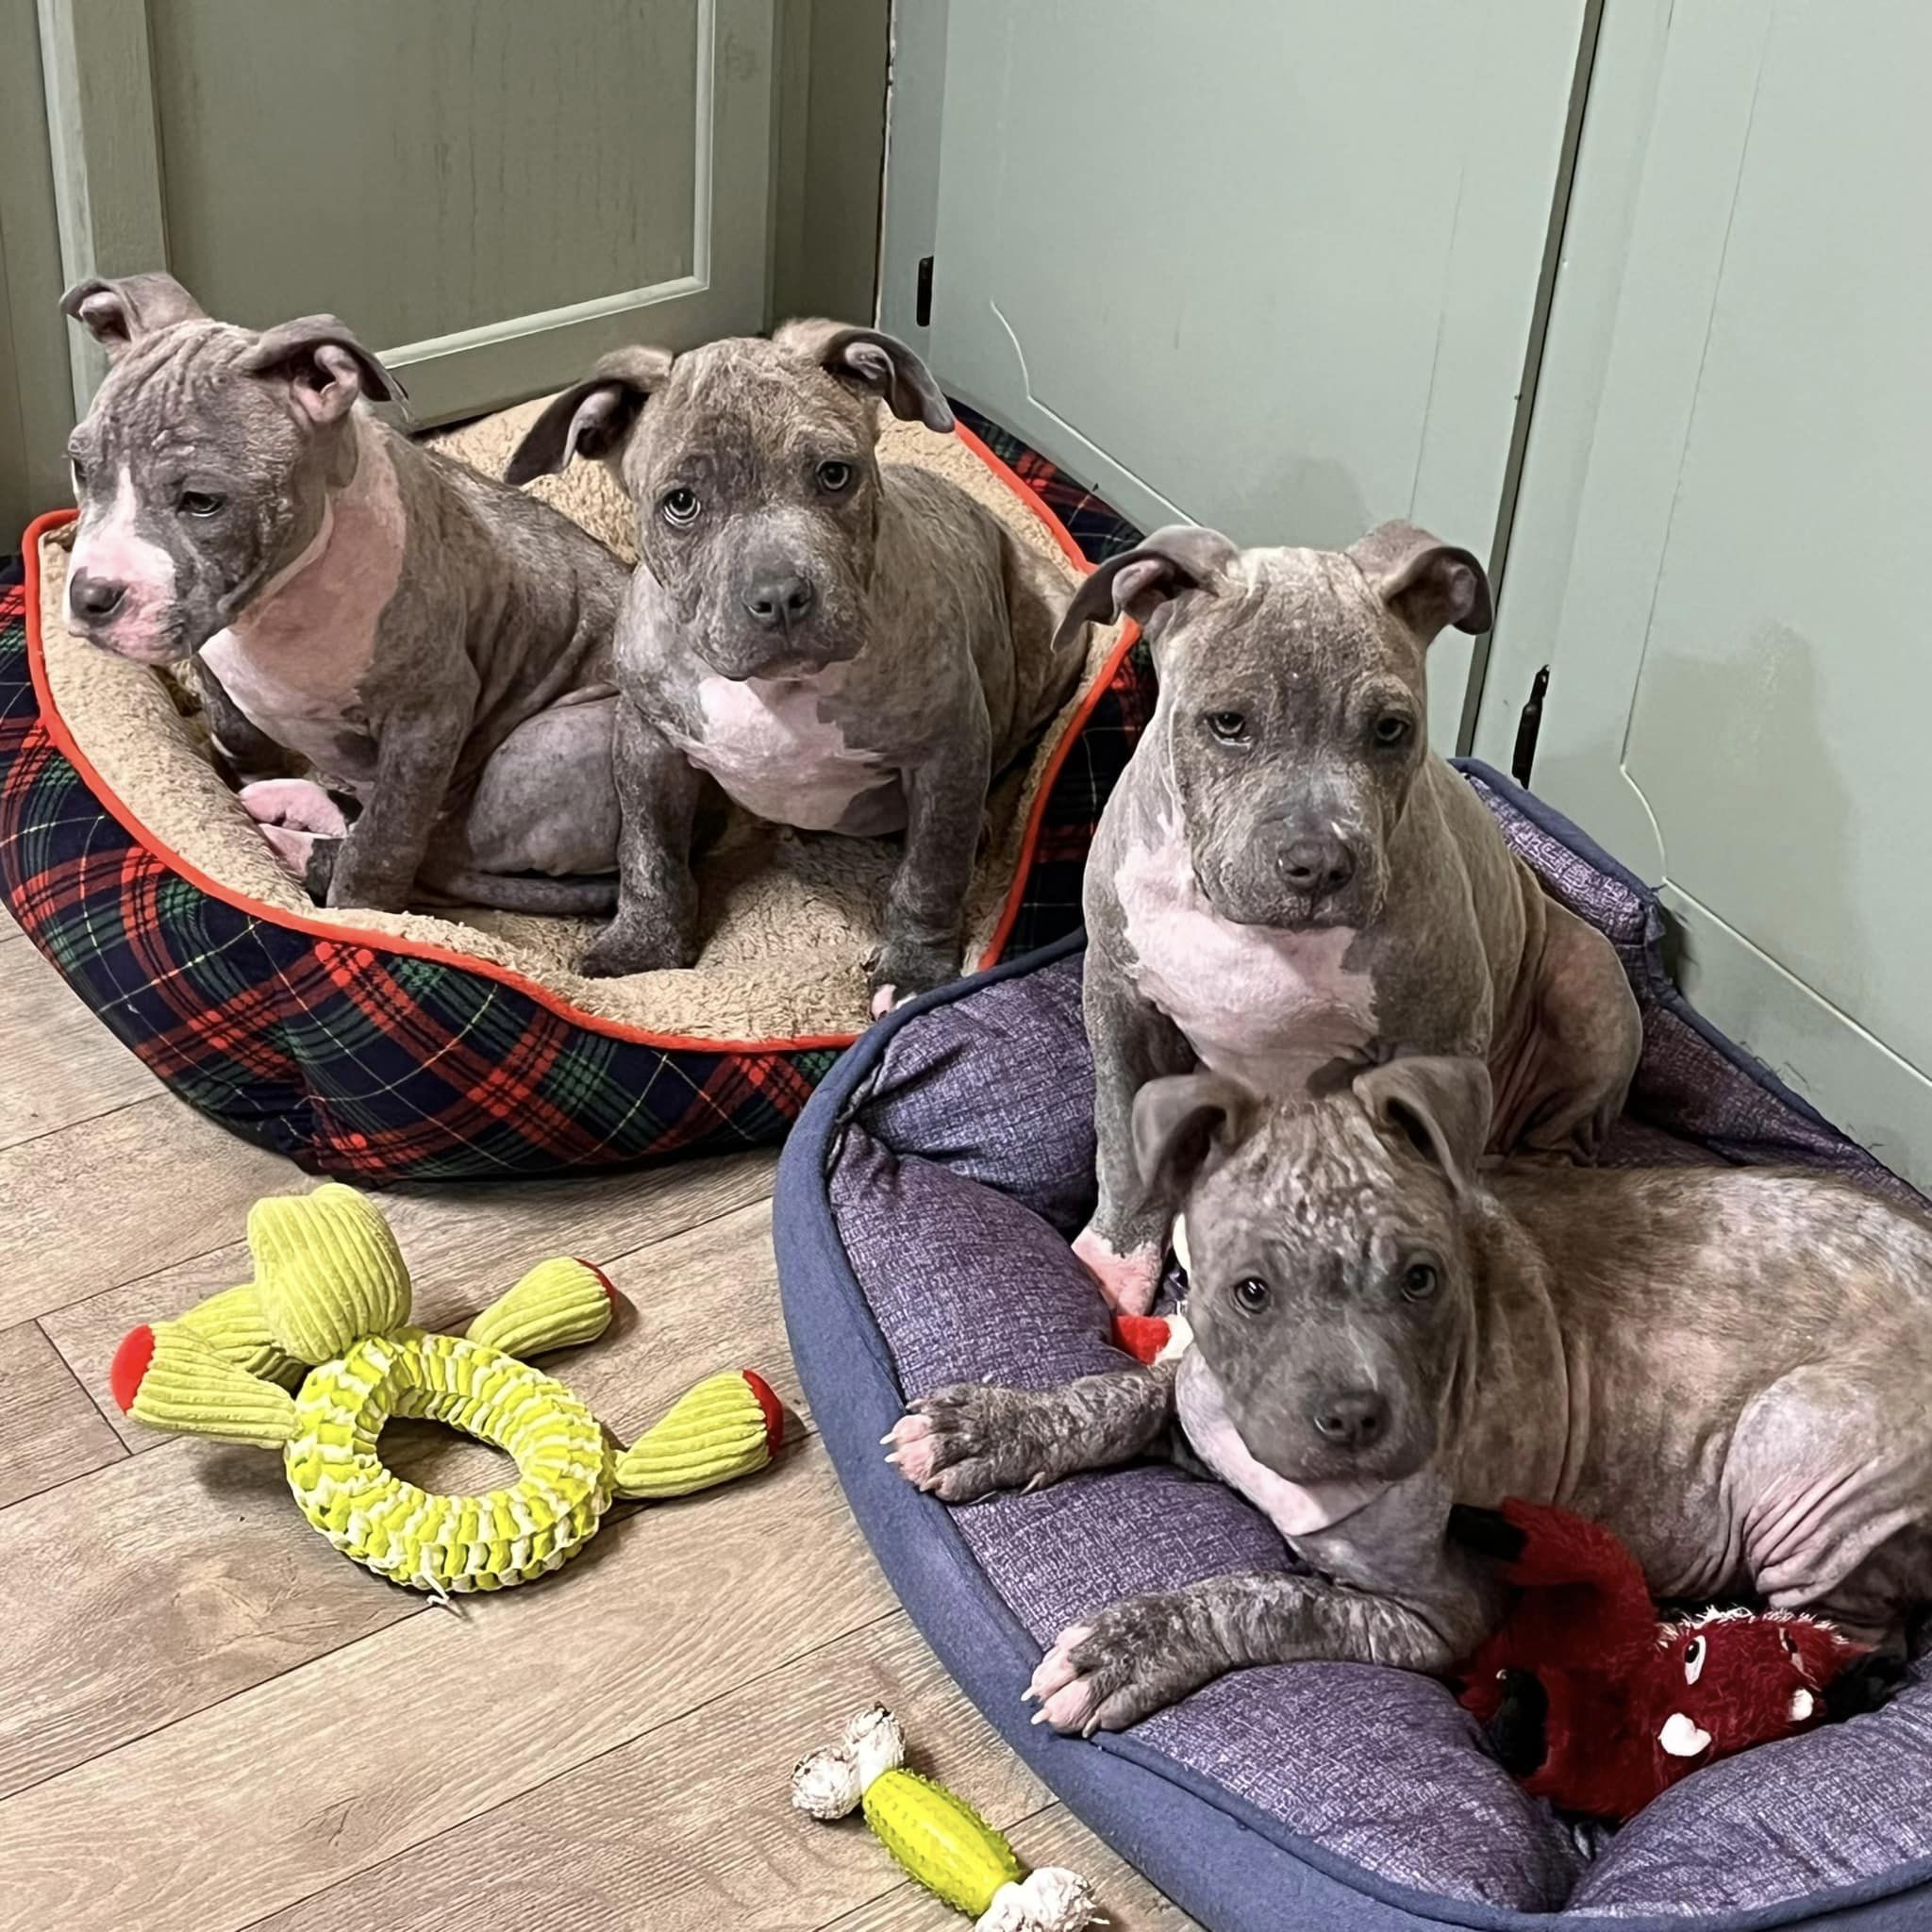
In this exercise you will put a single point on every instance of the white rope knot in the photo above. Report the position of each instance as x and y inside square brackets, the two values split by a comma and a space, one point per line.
[1051, 1899]
[830, 1783]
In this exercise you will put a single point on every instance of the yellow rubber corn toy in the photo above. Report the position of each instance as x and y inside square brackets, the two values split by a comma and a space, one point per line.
[936, 1838]
[316, 1354]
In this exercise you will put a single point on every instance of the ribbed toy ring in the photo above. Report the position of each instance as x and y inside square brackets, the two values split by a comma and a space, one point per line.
[327, 1316]
[435, 1540]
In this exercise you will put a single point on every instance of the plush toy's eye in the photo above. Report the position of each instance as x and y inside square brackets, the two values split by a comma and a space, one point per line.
[1693, 1660]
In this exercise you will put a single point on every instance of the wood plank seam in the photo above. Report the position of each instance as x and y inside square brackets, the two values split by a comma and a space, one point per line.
[515, 1798]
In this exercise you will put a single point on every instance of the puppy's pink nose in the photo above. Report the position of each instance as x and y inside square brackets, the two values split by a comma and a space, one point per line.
[94, 598]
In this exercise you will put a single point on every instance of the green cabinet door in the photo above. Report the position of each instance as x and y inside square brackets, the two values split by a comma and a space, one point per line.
[1725, 523]
[1272, 265]
[490, 192]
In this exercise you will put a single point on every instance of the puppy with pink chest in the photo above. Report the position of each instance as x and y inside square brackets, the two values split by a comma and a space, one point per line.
[1287, 882]
[436, 644]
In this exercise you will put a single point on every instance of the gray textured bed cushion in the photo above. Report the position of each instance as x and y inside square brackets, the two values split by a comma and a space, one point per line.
[954, 1171]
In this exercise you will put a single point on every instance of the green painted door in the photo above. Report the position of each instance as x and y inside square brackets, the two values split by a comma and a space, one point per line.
[491, 193]
[1722, 542]
[1272, 265]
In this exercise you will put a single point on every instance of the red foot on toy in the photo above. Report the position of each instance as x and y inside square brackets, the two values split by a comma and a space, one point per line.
[603, 1280]
[131, 1361]
[773, 1410]
[1142, 1335]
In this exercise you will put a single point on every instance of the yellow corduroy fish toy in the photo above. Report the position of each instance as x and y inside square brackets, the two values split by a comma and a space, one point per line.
[326, 1317]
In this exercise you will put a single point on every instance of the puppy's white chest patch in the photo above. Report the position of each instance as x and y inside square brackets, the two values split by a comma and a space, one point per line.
[1294, 1508]
[295, 661]
[766, 743]
[1267, 1006]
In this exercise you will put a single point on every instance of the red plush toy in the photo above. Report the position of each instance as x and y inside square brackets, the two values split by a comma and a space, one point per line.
[1594, 1702]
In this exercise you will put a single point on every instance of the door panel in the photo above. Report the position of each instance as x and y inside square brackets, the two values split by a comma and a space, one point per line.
[491, 193]
[1739, 687]
[548, 157]
[1268, 266]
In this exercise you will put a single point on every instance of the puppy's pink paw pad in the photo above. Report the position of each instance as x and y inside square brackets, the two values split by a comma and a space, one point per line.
[295, 803]
[1070, 1709]
[914, 1448]
[1128, 1282]
[293, 849]
[1058, 1687]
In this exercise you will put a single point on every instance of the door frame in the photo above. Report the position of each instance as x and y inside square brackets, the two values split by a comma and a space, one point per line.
[105, 145]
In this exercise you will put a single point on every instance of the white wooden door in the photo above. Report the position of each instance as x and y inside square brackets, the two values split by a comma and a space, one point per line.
[1722, 547]
[1272, 265]
[491, 193]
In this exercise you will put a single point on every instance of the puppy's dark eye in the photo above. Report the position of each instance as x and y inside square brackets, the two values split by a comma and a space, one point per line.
[201, 503]
[1419, 1281]
[1251, 1296]
[679, 506]
[79, 470]
[833, 477]
[1230, 727]
[1392, 730]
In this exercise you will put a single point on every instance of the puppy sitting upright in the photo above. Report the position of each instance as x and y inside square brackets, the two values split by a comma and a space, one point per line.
[437, 645]
[1286, 877]
[845, 645]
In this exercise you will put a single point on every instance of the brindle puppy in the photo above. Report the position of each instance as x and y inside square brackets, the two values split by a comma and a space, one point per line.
[1729, 1368]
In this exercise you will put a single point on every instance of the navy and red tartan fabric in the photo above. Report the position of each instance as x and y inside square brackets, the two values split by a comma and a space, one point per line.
[382, 1066]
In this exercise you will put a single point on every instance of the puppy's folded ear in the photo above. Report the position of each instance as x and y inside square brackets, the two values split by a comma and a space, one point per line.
[1439, 1106]
[592, 418]
[1427, 583]
[327, 369]
[1141, 582]
[119, 312]
[1185, 1123]
[879, 364]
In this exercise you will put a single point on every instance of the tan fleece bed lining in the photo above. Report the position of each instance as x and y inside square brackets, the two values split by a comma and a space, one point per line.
[789, 920]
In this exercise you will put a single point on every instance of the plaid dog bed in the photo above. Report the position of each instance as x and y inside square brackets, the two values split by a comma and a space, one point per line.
[386, 1061]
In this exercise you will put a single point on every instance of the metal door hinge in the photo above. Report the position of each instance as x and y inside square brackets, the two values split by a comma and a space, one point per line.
[922, 301]
[1524, 761]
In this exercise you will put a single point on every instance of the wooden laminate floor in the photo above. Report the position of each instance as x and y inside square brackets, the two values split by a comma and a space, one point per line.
[209, 1720]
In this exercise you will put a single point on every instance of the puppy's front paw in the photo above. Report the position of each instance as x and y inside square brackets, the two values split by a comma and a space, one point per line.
[966, 1442]
[621, 949]
[907, 968]
[1124, 1664]
[298, 804]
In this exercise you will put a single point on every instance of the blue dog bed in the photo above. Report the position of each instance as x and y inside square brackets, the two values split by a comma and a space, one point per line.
[925, 1206]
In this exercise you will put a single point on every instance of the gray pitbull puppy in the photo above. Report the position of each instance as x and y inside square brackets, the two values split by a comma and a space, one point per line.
[1731, 1369]
[1287, 876]
[437, 643]
[844, 645]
